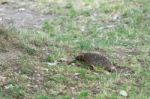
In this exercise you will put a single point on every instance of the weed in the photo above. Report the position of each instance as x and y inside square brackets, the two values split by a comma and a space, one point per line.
[83, 94]
[15, 91]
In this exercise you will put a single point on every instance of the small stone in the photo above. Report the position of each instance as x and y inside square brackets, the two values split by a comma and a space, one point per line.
[123, 93]
[77, 74]
[115, 17]
[22, 9]
[82, 29]
[73, 64]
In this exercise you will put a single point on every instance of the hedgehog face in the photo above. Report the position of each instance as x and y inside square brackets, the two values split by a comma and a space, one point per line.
[80, 57]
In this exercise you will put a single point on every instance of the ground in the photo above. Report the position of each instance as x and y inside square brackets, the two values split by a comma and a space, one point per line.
[37, 37]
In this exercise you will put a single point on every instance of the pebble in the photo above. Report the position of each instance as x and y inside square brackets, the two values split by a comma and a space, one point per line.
[123, 93]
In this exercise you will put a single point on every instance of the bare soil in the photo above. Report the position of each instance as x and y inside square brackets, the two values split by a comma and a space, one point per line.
[20, 15]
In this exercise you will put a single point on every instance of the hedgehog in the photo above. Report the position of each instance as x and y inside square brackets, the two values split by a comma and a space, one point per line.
[96, 59]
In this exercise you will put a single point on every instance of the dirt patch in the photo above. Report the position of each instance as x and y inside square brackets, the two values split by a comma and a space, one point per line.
[5, 58]
[124, 52]
[20, 16]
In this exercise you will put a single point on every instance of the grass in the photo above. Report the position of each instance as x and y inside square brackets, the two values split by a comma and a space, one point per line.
[118, 27]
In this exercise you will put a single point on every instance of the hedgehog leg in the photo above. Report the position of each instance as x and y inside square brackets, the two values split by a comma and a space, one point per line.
[92, 67]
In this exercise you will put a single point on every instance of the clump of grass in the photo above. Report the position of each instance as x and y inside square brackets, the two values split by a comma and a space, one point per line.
[83, 94]
[31, 51]
[26, 66]
[50, 59]
[14, 91]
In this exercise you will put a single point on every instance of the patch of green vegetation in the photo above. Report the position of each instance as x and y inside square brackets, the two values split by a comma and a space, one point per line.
[30, 51]
[26, 67]
[83, 94]
[59, 78]
[13, 91]
[42, 97]
[50, 59]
